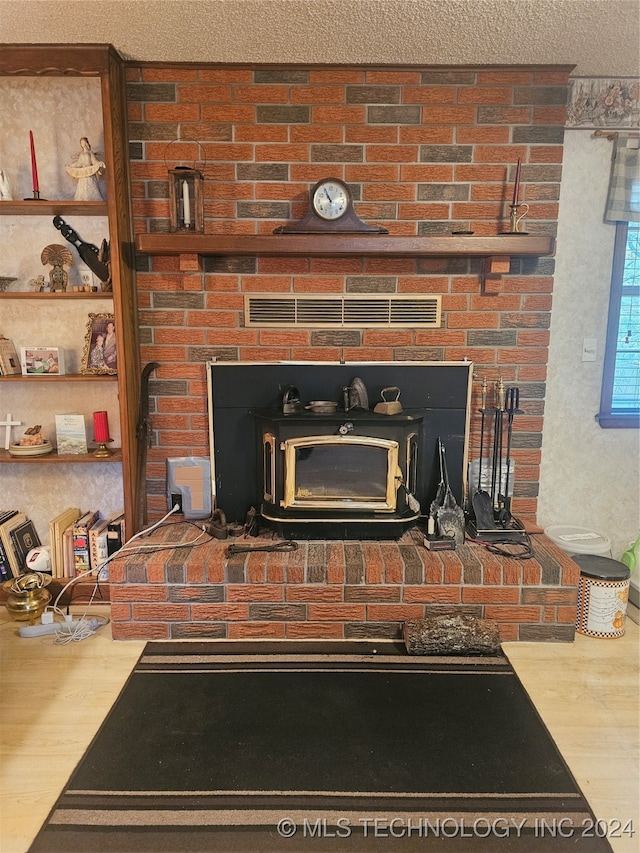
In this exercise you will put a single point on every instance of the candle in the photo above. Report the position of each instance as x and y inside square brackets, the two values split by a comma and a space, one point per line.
[516, 186]
[34, 165]
[100, 427]
[186, 204]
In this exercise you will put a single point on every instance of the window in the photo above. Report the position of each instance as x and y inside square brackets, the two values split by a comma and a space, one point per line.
[620, 399]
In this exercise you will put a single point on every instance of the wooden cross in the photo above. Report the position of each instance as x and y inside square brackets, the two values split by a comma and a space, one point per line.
[8, 423]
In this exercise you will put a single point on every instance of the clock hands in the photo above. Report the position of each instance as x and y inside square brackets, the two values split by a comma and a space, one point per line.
[326, 192]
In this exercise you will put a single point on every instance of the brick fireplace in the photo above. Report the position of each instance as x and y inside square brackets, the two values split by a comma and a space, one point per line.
[426, 151]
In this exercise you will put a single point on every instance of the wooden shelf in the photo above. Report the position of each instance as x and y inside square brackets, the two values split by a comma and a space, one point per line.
[343, 245]
[63, 459]
[53, 208]
[23, 294]
[64, 377]
[62, 67]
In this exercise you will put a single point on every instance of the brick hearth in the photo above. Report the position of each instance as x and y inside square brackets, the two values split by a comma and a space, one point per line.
[334, 589]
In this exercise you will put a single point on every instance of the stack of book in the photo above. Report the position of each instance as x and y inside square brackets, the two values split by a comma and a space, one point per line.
[81, 541]
[17, 537]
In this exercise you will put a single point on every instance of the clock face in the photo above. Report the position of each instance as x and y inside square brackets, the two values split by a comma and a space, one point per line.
[331, 199]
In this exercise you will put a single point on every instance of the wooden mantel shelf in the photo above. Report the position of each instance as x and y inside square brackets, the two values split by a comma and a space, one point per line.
[495, 251]
[341, 245]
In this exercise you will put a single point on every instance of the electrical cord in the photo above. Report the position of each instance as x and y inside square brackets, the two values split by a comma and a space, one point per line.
[494, 547]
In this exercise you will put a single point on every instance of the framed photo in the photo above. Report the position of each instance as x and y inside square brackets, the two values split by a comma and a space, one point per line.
[100, 353]
[42, 361]
[9, 361]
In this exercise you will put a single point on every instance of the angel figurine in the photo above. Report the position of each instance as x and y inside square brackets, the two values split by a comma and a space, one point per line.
[87, 170]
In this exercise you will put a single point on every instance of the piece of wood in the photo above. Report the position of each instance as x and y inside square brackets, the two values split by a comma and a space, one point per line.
[344, 245]
[451, 635]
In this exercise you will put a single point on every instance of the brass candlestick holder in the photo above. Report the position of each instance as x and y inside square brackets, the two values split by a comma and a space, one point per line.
[36, 196]
[102, 450]
[515, 218]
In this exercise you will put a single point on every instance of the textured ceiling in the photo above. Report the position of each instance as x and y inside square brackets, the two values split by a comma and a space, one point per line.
[599, 37]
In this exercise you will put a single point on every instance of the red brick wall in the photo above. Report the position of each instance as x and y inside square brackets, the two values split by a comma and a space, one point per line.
[336, 590]
[426, 151]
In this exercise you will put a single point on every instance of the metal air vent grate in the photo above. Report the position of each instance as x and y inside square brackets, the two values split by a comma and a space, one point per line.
[372, 310]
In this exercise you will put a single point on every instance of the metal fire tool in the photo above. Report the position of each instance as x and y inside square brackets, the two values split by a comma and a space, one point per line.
[496, 462]
[481, 502]
[512, 408]
[450, 516]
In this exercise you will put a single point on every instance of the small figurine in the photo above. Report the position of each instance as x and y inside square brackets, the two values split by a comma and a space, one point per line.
[38, 284]
[59, 257]
[5, 187]
[32, 437]
[87, 170]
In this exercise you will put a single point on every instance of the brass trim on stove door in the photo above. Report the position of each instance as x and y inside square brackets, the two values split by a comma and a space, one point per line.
[394, 474]
[269, 467]
[411, 463]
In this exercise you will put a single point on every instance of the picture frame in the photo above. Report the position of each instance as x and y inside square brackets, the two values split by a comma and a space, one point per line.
[100, 354]
[9, 361]
[42, 361]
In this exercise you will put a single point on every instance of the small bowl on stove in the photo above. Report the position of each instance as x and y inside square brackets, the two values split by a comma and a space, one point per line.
[322, 407]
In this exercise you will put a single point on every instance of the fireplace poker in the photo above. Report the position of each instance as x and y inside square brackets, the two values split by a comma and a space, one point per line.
[513, 407]
[496, 462]
[482, 501]
[483, 410]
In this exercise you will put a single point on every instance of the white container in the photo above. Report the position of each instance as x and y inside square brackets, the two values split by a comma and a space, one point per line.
[579, 540]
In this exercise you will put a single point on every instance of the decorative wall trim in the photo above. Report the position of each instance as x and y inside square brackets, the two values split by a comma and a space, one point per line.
[603, 102]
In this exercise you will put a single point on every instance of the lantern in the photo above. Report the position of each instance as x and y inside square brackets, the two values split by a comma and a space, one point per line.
[186, 199]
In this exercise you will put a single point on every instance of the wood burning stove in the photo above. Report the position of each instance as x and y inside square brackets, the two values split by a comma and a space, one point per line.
[355, 468]
[250, 470]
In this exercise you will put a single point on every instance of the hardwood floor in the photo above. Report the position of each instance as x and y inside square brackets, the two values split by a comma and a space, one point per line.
[55, 697]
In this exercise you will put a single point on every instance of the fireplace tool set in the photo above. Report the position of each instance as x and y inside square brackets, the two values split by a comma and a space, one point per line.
[490, 517]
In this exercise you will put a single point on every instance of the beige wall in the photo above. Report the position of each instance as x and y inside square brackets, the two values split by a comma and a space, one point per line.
[589, 476]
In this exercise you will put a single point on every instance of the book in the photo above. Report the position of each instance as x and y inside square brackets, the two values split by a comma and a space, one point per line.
[67, 552]
[81, 556]
[9, 360]
[115, 533]
[5, 536]
[71, 434]
[24, 538]
[57, 526]
[5, 566]
[98, 543]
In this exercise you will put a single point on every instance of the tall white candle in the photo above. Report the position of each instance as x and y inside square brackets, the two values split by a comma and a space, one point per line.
[186, 204]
